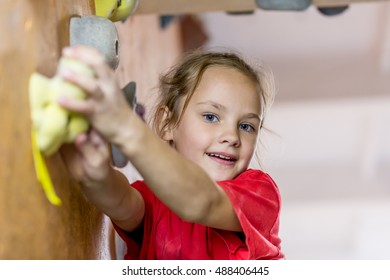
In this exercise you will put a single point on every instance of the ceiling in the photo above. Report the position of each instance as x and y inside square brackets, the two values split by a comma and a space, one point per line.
[312, 55]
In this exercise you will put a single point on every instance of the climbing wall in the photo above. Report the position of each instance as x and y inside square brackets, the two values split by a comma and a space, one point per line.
[32, 35]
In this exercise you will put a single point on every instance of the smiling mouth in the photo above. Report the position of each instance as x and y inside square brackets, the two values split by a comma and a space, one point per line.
[222, 157]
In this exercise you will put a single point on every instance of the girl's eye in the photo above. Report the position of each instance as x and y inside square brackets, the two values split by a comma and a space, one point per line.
[210, 117]
[247, 127]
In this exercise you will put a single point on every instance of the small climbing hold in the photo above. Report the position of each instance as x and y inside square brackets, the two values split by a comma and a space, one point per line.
[284, 5]
[115, 10]
[332, 11]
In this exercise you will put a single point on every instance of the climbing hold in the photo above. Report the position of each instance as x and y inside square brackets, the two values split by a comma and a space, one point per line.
[118, 158]
[241, 13]
[130, 94]
[53, 124]
[284, 5]
[165, 20]
[332, 11]
[96, 32]
[115, 10]
[42, 172]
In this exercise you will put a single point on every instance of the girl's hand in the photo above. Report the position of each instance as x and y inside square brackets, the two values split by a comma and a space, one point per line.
[105, 106]
[88, 159]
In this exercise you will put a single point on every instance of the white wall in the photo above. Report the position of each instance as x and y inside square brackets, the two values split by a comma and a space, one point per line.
[331, 161]
[330, 147]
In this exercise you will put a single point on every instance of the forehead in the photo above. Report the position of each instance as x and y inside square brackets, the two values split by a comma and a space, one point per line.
[224, 76]
[226, 85]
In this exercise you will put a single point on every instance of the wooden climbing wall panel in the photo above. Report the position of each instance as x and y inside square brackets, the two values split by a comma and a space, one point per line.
[32, 35]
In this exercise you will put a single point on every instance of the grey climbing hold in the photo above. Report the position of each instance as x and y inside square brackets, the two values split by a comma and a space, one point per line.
[118, 158]
[284, 5]
[332, 11]
[97, 32]
[130, 94]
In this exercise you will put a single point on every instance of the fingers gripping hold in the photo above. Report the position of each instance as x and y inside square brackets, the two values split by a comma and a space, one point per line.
[53, 124]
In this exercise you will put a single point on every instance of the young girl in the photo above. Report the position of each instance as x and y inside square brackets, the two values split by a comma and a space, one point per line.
[198, 199]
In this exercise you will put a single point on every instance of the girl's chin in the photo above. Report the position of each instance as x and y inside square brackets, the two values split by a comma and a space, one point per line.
[222, 176]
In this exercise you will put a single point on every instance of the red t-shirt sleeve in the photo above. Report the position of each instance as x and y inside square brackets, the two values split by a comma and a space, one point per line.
[143, 234]
[256, 201]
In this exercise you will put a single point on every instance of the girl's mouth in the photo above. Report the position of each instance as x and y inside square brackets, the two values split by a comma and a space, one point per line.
[222, 158]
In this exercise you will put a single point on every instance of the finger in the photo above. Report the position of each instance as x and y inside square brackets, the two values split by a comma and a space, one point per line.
[94, 164]
[87, 83]
[72, 159]
[91, 57]
[75, 105]
[89, 152]
[98, 141]
[81, 139]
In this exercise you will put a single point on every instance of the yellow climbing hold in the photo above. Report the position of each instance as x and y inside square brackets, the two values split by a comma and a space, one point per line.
[42, 173]
[115, 10]
[53, 125]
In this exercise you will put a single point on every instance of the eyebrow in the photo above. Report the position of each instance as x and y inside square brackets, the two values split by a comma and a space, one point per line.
[212, 103]
[223, 108]
[252, 116]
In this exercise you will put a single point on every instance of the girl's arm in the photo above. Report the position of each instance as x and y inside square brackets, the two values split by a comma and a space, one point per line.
[88, 161]
[123, 204]
[182, 185]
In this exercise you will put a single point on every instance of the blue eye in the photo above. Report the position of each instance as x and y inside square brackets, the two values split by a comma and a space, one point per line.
[210, 117]
[247, 127]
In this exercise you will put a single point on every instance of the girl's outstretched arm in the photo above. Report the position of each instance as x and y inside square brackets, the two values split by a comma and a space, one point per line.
[181, 184]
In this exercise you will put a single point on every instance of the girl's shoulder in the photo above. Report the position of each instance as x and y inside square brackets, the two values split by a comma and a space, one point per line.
[254, 174]
[254, 181]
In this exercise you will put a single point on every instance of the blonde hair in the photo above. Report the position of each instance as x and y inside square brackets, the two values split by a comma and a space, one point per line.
[183, 78]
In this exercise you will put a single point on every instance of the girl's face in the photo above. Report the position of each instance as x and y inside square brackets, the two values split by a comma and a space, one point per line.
[219, 128]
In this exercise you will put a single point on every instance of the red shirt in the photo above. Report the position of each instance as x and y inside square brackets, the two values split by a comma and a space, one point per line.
[164, 236]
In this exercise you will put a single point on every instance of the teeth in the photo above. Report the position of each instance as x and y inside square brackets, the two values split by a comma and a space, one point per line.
[221, 157]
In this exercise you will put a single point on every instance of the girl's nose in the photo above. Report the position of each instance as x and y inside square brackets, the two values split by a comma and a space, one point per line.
[230, 135]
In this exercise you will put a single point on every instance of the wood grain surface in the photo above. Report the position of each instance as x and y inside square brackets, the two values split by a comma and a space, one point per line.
[32, 34]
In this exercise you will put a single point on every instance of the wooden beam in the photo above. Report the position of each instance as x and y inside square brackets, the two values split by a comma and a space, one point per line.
[171, 7]
[332, 3]
[193, 6]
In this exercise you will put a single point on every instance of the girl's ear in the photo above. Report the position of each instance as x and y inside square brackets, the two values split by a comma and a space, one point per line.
[166, 125]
